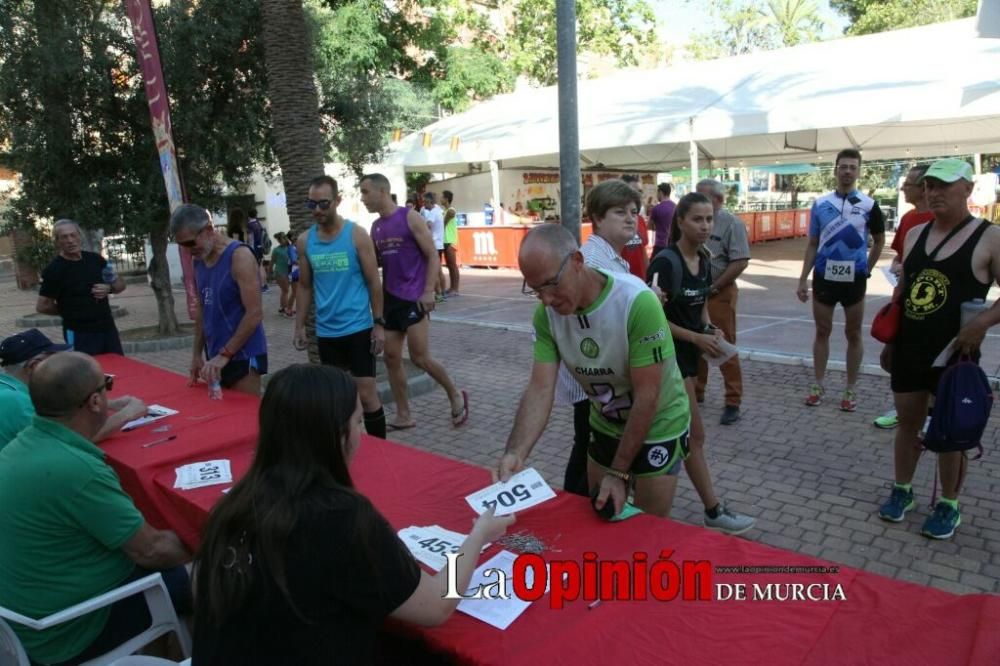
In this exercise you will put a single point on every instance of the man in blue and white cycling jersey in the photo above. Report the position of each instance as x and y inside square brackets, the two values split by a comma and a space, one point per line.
[840, 262]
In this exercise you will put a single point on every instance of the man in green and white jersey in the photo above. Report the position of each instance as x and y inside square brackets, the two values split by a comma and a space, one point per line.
[610, 333]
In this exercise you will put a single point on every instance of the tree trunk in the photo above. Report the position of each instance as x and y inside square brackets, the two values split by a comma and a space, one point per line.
[298, 141]
[159, 280]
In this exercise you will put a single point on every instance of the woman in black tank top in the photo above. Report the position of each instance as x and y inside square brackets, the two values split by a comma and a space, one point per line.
[687, 313]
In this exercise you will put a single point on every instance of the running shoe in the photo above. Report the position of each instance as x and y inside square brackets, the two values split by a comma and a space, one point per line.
[942, 523]
[728, 522]
[887, 421]
[815, 395]
[899, 502]
[848, 401]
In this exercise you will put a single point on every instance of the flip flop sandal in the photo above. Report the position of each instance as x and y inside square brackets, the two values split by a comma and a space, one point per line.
[462, 416]
[393, 427]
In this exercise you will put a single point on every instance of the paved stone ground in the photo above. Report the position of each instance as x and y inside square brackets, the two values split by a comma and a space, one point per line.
[813, 477]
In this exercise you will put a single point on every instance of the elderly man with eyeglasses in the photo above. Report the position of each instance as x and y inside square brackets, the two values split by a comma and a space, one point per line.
[69, 531]
[230, 349]
[609, 330]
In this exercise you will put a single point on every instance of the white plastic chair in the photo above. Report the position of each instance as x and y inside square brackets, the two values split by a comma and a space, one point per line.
[160, 609]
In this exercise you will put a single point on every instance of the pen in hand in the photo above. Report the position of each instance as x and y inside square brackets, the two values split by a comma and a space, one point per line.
[159, 441]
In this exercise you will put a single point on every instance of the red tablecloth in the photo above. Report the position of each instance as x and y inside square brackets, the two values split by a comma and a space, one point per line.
[881, 621]
[205, 429]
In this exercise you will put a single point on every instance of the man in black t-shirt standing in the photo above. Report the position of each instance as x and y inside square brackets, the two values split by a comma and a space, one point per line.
[76, 286]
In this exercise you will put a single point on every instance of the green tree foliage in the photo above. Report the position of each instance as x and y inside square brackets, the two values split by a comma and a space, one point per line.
[745, 27]
[471, 74]
[75, 121]
[618, 28]
[869, 16]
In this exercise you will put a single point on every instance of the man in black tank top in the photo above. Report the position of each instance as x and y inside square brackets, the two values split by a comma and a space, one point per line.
[946, 262]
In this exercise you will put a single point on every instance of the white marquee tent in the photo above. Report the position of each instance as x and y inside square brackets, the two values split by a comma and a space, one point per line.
[923, 91]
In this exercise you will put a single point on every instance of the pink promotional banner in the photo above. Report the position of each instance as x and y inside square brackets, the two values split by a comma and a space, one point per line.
[140, 15]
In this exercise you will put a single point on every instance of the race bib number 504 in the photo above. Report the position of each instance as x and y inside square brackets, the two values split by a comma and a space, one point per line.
[525, 489]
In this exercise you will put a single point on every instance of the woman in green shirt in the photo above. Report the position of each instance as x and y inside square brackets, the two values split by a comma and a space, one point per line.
[279, 260]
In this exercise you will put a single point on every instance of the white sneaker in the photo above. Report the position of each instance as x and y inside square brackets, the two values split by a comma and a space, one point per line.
[728, 522]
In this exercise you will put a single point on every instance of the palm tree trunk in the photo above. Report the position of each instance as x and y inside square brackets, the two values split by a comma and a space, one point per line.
[298, 142]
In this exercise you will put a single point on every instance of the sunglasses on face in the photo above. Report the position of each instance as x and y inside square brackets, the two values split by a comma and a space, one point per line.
[194, 239]
[106, 385]
[322, 204]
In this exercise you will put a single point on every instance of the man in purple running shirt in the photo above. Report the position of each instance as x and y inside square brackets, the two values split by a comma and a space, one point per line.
[410, 267]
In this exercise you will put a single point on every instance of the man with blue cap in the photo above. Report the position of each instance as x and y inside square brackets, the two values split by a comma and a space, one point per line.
[19, 354]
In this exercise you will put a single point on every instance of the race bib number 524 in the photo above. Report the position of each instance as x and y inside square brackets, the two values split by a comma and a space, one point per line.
[839, 271]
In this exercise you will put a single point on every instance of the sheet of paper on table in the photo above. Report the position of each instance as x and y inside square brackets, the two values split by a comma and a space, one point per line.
[523, 490]
[499, 613]
[430, 544]
[201, 474]
[153, 413]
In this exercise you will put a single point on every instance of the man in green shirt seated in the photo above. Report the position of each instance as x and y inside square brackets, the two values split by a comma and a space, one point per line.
[19, 354]
[69, 531]
[611, 334]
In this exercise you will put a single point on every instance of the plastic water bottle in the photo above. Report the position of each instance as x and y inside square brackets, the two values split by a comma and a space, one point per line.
[215, 390]
[108, 274]
[971, 309]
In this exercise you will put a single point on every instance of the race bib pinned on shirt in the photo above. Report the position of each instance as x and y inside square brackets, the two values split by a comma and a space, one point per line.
[839, 271]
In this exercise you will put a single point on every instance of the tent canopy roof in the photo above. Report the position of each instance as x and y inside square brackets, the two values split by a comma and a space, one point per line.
[930, 90]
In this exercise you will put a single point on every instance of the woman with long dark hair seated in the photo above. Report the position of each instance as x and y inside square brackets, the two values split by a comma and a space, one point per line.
[297, 567]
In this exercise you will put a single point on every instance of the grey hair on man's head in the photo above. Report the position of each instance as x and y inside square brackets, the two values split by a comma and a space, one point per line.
[713, 186]
[66, 222]
[553, 237]
[189, 217]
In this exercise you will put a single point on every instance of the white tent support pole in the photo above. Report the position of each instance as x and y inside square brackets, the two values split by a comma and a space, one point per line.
[495, 187]
[977, 163]
[693, 154]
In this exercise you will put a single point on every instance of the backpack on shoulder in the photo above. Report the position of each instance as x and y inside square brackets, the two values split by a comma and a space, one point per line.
[961, 409]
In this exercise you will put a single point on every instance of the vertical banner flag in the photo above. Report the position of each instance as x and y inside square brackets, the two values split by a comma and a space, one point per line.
[140, 15]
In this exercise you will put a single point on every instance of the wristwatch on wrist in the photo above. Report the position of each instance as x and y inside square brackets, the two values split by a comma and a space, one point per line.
[379, 320]
[710, 328]
[714, 291]
[618, 474]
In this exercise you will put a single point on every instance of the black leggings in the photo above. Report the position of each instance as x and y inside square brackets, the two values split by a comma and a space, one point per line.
[575, 480]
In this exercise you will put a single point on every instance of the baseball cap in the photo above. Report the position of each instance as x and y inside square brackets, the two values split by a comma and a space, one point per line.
[27, 345]
[949, 170]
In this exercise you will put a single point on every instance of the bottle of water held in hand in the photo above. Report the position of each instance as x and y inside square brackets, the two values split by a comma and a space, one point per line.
[108, 274]
[215, 389]
[971, 309]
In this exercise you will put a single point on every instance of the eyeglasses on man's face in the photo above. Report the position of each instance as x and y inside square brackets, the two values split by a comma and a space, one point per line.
[322, 204]
[551, 284]
[194, 239]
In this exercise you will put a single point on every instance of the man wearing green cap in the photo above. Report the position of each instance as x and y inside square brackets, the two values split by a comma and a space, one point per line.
[950, 260]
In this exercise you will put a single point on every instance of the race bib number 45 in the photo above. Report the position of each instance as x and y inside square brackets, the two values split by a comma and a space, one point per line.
[525, 489]
[839, 271]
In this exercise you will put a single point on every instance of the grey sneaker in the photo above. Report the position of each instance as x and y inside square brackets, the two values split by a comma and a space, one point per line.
[728, 522]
